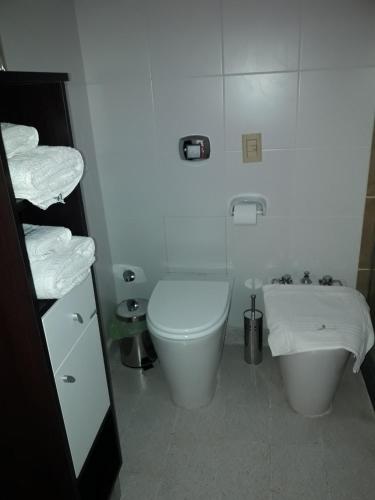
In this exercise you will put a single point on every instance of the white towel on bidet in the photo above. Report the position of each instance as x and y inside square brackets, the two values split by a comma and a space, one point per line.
[59, 272]
[18, 138]
[46, 174]
[303, 318]
[41, 241]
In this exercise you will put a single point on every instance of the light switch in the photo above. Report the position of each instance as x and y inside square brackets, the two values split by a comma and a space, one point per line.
[251, 148]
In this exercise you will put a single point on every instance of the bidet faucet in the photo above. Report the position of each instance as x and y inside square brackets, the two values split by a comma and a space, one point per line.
[306, 280]
[286, 279]
[327, 280]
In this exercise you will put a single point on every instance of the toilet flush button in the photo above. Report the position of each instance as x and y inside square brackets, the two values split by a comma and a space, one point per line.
[193, 151]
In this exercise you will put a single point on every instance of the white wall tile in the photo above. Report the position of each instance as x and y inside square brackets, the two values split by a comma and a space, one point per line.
[336, 108]
[124, 133]
[195, 243]
[122, 116]
[113, 38]
[272, 177]
[327, 245]
[330, 182]
[131, 187]
[185, 38]
[260, 36]
[139, 241]
[337, 33]
[315, 193]
[261, 103]
[192, 188]
[188, 106]
[259, 249]
[42, 36]
[92, 197]
[183, 107]
[257, 253]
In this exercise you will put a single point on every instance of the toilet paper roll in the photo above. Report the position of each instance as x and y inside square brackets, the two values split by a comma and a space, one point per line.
[245, 214]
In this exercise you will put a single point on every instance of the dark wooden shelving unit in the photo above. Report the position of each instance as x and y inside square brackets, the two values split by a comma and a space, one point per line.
[37, 457]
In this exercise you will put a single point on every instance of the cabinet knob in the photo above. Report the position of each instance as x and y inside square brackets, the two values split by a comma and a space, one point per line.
[77, 317]
[69, 379]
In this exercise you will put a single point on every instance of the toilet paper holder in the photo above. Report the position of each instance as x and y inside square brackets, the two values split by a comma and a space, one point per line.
[245, 199]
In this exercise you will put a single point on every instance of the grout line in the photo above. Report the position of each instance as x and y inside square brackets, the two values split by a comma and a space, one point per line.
[222, 35]
[157, 490]
[325, 464]
[277, 72]
[176, 76]
[165, 243]
[223, 88]
[226, 246]
[298, 76]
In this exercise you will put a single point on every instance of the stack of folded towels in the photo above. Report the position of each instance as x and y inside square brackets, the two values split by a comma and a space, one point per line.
[41, 174]
[58, 260]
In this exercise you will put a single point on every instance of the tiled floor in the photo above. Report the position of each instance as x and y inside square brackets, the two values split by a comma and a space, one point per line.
[247, 444]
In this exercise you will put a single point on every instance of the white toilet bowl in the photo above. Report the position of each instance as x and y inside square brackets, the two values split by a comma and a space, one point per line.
[312, 378]
[187, 320]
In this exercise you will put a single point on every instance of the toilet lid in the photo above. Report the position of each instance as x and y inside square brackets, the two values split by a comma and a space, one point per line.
[182, 308]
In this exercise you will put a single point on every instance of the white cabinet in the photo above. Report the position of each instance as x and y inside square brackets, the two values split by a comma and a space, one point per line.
[72, 333]
[66, 320]
[82, 388]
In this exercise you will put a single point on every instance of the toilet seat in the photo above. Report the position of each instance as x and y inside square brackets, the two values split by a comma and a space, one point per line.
[186, 310]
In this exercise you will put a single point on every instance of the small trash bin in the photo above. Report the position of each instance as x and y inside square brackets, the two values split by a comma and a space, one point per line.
[253, 332]
[136, 348]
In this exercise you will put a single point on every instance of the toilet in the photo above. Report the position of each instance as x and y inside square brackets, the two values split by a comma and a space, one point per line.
[187, 319]
[313, 330]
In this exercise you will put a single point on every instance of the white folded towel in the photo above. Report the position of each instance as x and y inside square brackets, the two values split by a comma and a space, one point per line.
[59, 272]
[305, 318]
[41, 241]
[18, 138]
[46, 175]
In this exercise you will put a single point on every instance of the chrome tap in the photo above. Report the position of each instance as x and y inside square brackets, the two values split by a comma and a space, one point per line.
[286, 279]
[306, 280]
[327, 280]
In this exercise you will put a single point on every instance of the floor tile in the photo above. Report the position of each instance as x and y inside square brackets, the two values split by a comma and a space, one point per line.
[350, 472]
[203, 425]
[247, 443]
[136, 486]
[148, 436]
[191, 472]
[298, 472]
[288, 427]
[244, 470]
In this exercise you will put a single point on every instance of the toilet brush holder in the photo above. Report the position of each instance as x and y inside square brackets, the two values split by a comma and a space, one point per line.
[253, 334]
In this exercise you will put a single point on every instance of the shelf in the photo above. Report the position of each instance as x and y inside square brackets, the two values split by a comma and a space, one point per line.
[21, 204]
[44, 305]
[31, 77]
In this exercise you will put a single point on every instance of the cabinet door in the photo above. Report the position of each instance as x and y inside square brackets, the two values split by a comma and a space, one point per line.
[83, 393]
[66, 320]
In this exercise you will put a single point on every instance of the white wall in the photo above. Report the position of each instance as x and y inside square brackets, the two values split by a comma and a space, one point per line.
[41, 35]
[300, 72]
